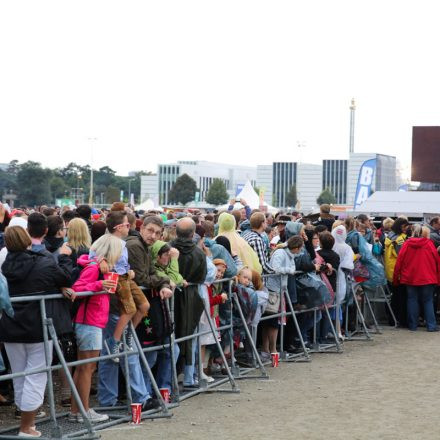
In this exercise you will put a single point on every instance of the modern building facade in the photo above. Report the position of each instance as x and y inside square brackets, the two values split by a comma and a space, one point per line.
[385, 178]
[334, 177]
[283, 178]
[203, 172]
[277, 180]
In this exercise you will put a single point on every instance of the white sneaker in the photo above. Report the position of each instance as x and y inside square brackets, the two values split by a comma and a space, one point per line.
[208, 379]
[93, 416]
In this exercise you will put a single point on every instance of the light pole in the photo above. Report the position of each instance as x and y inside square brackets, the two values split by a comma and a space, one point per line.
[91, 139]
[129, 190]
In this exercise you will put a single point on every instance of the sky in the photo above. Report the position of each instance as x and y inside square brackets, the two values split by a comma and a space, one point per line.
[131, 84]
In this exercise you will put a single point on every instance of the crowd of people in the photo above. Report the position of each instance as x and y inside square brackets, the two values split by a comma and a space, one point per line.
[136, 261]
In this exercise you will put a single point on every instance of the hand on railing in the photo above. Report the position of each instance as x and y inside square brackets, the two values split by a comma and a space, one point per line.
[165, 293]
[68, 293]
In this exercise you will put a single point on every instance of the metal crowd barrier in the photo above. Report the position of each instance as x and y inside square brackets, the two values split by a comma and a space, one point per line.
[56, 425]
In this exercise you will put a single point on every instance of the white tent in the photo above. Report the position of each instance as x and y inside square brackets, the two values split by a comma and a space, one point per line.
[252, 199]
[148, 205]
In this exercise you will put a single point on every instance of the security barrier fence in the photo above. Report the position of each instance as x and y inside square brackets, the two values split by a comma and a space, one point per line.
[57, 426]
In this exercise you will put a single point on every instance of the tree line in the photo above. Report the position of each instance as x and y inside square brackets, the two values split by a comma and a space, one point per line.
[34, 184]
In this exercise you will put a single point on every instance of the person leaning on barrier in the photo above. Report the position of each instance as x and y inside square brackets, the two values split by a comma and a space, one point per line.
[28, 272]
[155, 329]
[283, 263]
[188, 304]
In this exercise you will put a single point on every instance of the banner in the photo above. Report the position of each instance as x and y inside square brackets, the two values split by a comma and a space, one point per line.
[365, 182]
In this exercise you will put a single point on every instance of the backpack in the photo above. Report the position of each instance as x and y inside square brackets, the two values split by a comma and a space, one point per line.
[157, 325]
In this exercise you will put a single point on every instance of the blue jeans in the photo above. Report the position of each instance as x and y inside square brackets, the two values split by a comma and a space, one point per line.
[161, 358]
[189, 371]
[108, 374]
[425, 293]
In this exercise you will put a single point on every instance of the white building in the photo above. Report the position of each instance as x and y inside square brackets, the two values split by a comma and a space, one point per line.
[149, 188]
[264, 181]
[308, 185]
[385, 178]
[203, 172]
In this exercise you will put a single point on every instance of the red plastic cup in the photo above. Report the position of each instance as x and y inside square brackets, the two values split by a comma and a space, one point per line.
[136, 413]
[275, 359]
[114, 277]
[165, 394]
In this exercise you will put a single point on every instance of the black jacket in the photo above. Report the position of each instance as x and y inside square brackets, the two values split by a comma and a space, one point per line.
[188, 303]
[331, 257]
[35, 273]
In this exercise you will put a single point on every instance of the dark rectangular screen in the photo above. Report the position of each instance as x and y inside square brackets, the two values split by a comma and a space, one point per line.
[426, 154]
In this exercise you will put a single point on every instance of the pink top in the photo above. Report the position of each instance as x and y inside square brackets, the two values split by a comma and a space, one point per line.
[94, 310]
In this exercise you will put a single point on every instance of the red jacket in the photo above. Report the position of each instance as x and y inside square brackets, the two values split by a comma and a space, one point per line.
[418, 263]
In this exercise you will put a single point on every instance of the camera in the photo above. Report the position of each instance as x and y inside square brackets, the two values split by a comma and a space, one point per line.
[322, 267]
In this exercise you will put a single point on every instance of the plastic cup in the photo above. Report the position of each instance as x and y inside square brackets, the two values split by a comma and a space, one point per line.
[275, 359]
[114, 277]
[136, 412]
[165, 392]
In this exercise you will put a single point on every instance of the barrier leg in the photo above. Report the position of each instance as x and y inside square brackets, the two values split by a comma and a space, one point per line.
[305, 353]
[376, 325]
[126, 368]
[219, 347]
[149, 372]
[359, 316]
[250, 338]
[69, 377]
[387, 302]
[174, 380]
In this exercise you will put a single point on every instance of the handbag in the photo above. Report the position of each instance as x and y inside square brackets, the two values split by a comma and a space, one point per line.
[360, 270]
[273, 302]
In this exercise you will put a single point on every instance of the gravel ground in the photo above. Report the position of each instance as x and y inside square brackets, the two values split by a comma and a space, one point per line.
[384, 389]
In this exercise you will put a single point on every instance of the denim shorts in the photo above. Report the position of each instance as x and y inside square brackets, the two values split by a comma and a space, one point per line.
[88, 337]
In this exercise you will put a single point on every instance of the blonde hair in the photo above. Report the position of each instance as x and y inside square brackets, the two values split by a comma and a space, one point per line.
[108, 247]
[337, 223]
[78, 234]
[388, 222]
[420, 231]
[169, 233]
[17, 239]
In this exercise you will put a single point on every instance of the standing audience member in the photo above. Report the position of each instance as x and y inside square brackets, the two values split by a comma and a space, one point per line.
[28, 272]
[188, 304]
[393, 244]
[420, 278]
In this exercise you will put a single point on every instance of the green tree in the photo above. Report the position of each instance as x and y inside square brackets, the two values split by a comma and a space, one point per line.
[58, 187]
[292, 197]
[183, 190]
[112, 194]
[217, 194]
[326, 197]
[33, 183]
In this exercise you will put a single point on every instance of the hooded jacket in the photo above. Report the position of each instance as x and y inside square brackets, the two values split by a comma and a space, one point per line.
[139, 258]
[239, 245]
[93, 310]
[171, 270]
[29, 273]
[418, 263]
[188, 303]
[434, 235]
[393, 244]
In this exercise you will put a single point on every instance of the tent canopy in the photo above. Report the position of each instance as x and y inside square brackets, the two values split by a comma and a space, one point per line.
[252, 199]
[148, 205]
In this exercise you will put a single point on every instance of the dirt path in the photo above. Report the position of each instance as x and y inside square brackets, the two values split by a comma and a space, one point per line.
[387, 389]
